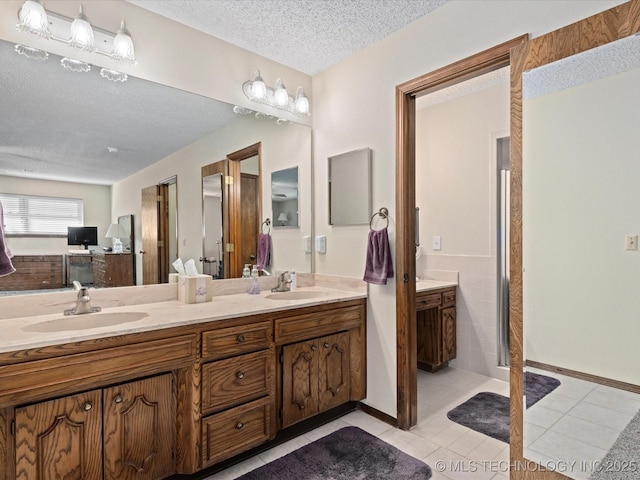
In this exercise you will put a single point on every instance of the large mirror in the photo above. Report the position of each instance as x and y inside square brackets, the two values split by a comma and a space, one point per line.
[163, 133]
[350, 188]
[284, 198]
[581, 264]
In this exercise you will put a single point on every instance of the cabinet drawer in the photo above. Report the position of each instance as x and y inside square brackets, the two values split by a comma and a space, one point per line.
[236, 380]
[424, 301]
[233, 431]
[311, 325]
[227, 342]
[449, 298]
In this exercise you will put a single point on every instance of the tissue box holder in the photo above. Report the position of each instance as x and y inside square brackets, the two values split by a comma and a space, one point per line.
[195, 289]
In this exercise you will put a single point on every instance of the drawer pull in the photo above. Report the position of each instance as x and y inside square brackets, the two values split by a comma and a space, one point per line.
[314, 348]
[87, 406]
[239, 426]
[118, 399]
[240, 338]
[240, 375]
[326, 345]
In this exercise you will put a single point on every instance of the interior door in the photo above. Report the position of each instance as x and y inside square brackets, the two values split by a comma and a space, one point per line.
[149, 219]
[250, 218]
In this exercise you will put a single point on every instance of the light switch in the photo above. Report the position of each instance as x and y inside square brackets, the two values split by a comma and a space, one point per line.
[437, 243]
[306, 243]
[631, 242]
[321, 244]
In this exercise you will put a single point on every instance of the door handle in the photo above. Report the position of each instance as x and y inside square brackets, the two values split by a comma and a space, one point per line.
[252, 257]
[142, 252]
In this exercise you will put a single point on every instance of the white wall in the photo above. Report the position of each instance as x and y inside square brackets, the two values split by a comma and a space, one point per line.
[282, 147]
[580, 198]
[97, 212]
[354, 107]
[456, 193]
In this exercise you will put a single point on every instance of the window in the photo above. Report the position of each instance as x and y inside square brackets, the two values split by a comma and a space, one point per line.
[35, 215]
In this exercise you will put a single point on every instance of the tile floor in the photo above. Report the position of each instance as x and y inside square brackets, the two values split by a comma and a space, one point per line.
[578, 422]
[454, 452]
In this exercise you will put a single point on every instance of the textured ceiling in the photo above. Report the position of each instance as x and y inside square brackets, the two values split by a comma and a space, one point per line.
[307, 35]
[59, 125]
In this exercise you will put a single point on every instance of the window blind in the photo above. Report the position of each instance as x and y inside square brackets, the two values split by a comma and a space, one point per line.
[36, 215]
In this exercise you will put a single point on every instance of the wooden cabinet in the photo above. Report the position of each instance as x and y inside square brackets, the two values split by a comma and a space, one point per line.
[436, 328]
[125, 431]
[315, 376]
[112, 270]
[237, 390]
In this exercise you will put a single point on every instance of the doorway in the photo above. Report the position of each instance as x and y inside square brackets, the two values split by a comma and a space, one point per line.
[159, 217]
[406, 329]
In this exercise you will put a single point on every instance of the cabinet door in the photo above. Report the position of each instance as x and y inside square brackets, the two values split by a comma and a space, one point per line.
[139, 419]
[333, 378]
[299, 381]
[448, 334]
[60, 439]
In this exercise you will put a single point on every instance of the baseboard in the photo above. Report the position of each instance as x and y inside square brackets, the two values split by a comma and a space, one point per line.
[374, 412]
[609, 382]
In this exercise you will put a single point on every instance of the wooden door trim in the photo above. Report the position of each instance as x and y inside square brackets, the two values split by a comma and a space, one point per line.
[608, 26]
[478, 64]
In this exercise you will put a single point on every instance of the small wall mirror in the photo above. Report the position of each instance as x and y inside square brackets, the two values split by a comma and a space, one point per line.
[350, 188]
[284, 197]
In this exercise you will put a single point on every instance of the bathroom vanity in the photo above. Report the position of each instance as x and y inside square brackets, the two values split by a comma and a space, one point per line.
[150, 390]
[436, 325]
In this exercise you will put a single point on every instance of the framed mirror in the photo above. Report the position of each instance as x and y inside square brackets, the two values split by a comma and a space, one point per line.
[350, 188]
[574, 271]
[284, 198]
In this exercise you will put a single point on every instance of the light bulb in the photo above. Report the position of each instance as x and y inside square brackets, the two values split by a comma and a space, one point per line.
[82, 33]
[123, 46]
[258, 88]
[33, 19]
[281, 97]
[302, 102]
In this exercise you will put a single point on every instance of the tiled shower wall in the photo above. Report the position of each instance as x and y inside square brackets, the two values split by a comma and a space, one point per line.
[477, 315]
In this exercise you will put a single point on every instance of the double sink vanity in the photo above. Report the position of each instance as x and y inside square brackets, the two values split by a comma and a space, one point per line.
[150, 387]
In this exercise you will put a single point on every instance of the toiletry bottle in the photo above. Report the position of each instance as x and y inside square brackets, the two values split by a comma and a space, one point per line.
[254, 286]
[294, 282]
[254, 271]
[246, 273]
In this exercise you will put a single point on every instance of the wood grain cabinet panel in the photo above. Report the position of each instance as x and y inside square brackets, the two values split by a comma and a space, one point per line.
[139, 424]
[333, 373]
[436, 329]
[60, 439]
[112, 269]
[227, 342]
[236, 380]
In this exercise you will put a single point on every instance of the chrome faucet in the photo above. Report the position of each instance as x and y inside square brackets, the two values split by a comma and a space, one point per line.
[83, 302]
[284, 285]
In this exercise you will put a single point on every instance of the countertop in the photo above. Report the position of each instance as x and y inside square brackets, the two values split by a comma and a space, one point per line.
[426, 285]
[22, 333]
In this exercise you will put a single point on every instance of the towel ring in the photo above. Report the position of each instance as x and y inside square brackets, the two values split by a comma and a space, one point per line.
[383, 213]
[267, 222]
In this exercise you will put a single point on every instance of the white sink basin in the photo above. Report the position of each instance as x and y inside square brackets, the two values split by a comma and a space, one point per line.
[296, 295]
[85, 322]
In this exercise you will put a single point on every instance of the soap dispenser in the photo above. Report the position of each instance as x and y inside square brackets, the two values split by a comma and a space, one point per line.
[254, 272]
[246, 273]
[294, 281]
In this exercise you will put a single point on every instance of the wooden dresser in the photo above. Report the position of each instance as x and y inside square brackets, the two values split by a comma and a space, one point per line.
[112, 270]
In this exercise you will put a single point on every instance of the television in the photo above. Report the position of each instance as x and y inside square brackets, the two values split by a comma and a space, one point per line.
[82, 236]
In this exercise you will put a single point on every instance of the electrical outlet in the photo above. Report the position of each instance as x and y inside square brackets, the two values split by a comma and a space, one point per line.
[631, 242]
[437, 243]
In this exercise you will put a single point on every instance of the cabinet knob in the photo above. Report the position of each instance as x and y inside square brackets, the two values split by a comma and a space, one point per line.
[239, 425]
[326, 345]
[240, 338]
[87, 406]
[118, 399]
[240, 375]
[314, 348]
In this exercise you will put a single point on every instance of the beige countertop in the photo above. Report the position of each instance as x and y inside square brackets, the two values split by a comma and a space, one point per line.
[35, 331]
[426, 285]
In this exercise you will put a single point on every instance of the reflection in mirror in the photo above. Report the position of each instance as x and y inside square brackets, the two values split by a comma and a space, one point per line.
[212, 218]
[580, 223]
[350, 188]
[284, 197]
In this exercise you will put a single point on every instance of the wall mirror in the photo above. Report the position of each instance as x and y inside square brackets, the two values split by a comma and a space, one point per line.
[187, 150]
[580, 176]
[284, 197]
[350, 188]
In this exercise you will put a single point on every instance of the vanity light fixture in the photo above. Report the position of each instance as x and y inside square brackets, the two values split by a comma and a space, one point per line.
[277, 97]
[259, 115]
[77, 33]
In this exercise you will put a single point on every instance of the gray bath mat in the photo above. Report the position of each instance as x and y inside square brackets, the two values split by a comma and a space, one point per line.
[347, 454]
[622, 461]
[488, 412]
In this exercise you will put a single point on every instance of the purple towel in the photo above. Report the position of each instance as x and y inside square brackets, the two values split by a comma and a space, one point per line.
[6, 267]
[264, 250]
[379, 265]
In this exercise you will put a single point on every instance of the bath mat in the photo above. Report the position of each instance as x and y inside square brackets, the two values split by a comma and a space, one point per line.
[488, 412]
[347, 454]
[621, 462]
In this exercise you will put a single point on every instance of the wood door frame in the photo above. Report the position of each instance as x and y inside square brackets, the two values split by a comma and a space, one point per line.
[608, 26]
[406, 93]
[235, 158]
[221, 167]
